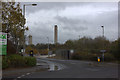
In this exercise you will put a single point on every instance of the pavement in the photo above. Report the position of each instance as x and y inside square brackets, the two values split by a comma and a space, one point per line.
[40, 66]
[15, 72]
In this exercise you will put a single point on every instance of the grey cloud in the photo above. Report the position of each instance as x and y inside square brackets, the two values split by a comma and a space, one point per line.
[72, 24]
[70, 28]
[60, 5]
[41, 32]
[50, 5]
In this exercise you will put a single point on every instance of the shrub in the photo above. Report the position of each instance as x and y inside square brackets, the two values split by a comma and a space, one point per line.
[84, 56]
[30, 61]
[92, 57]
[76, 57]
[17, 61]
[4, 62]
[109, 57]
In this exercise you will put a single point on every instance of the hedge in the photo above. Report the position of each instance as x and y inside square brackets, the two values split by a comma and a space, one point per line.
[92, 57]
[4, 62]
[17, 61]
[30, 61]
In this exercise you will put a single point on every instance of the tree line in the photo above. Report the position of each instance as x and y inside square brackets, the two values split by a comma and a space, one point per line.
[85, 45]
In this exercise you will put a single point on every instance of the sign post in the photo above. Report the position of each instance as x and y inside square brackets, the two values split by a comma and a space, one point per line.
[103, 51]
[3, 43]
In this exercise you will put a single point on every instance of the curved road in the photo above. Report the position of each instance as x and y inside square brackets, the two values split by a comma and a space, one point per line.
[77, 69]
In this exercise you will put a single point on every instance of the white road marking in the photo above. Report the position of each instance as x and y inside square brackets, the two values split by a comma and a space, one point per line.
[18, 77]
[73, 63]
[23, 75]
[91, 69]
[27, 73]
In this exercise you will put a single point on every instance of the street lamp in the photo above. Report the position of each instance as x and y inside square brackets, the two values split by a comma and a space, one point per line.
[24, 25]
[48, 45]
[27, 5]
[103, 43]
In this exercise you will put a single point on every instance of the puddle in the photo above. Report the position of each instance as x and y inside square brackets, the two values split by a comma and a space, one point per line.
[54, 66]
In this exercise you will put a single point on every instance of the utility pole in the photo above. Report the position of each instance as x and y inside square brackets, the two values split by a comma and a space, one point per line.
[24, 30]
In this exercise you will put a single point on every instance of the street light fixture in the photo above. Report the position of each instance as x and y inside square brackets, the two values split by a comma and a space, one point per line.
[27, 5]
[24, 25]
[34, 4]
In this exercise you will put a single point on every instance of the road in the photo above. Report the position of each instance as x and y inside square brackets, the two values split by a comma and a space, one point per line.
[77, 69]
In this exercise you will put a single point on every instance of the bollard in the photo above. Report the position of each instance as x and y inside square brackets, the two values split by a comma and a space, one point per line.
[98, 59]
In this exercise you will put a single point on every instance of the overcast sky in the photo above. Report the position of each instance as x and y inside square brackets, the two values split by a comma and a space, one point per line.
[73, 20]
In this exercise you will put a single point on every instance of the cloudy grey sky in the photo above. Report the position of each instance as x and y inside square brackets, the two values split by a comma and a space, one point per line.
[73, 19]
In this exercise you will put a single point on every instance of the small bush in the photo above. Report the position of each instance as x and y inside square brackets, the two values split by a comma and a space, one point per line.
[76, 57]
[16, 61]
[109, 57]
[4, 62]
[30, 61]
[92, 57]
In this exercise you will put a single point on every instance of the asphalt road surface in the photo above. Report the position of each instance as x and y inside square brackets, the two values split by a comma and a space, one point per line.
[77, 69]
[72, 69]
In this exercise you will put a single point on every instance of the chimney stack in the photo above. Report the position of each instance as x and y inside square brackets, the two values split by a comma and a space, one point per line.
[30, 40]
[55, 34]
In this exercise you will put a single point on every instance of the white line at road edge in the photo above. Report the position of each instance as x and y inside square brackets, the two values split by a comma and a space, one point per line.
[27, 73]
[18, 77]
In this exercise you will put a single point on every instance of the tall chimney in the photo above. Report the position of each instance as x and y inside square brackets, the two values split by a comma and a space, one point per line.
[30, 40]
[55, 34]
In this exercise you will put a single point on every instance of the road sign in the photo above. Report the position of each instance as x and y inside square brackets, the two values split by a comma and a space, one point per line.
[71, 51]
[3, 43]
[102, 51]
[50, 53]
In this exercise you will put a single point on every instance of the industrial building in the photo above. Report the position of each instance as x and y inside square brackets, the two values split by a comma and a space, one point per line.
[64, 54]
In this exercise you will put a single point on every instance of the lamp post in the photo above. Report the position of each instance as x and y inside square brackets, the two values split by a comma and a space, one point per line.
[48, 45]
[24, 25]
[103, 42]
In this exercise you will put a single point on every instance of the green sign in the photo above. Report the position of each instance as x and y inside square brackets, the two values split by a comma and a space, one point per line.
[3, 43]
